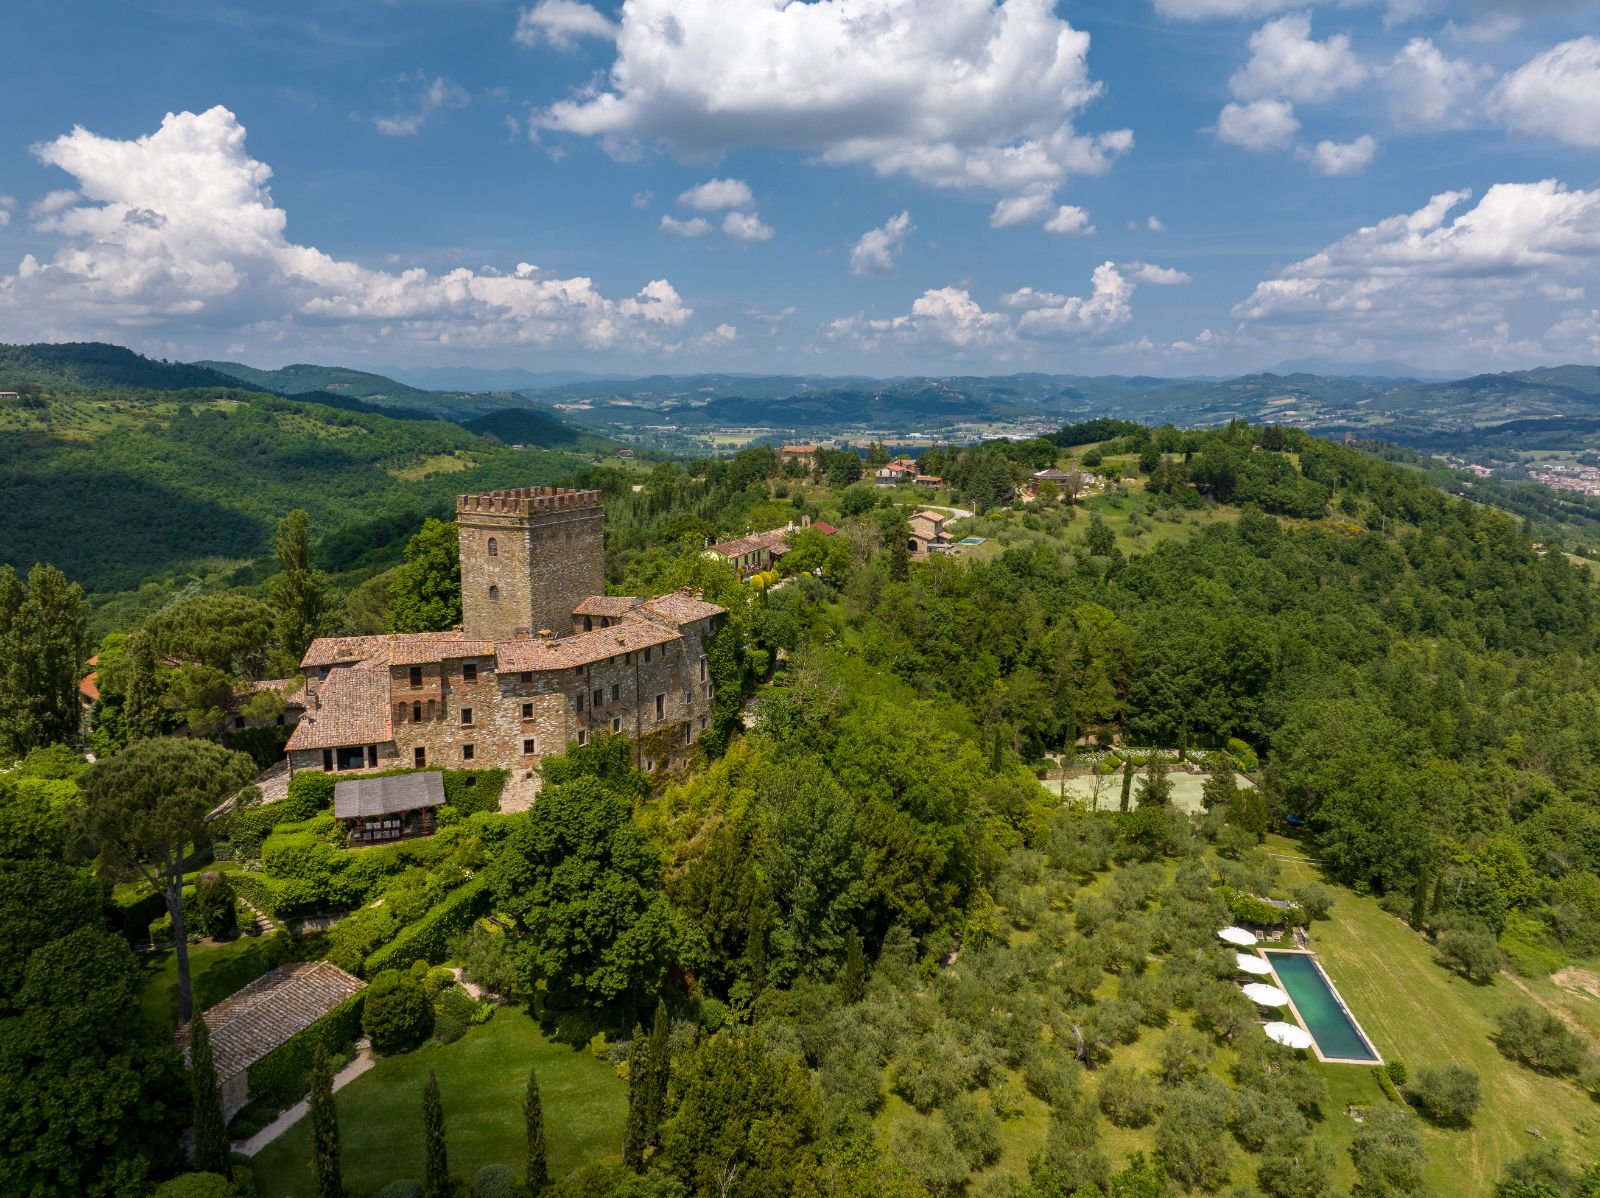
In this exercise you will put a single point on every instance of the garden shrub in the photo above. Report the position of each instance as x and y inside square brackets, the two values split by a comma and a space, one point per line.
[261, 892]
[1243, 754]
[1387, 1085]
[283, 1076]
[195, 1185]
[487, 960]
[429, 938]
[398, 1015]
[1398, 1073]
[264, 744]
[474, 791]
[494, 1181]
[309, 793]
[133, 917]
[215, 911]
[409, 1188]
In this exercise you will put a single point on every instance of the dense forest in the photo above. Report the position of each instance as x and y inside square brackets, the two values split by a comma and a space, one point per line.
[860, 949]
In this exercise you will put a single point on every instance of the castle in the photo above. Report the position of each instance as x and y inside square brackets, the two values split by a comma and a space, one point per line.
[542, 658]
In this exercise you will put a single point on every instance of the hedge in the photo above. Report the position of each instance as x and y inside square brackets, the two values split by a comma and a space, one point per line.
[133, 919]
[428, 938]
[260, 891]
[283, 1076]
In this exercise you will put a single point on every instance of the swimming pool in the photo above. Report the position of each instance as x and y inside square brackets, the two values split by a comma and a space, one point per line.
[1320, 1008]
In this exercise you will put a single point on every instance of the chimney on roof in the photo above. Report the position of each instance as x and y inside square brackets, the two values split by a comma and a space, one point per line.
[545, 634]
[520, 633]
[699, 594]
[683, 590]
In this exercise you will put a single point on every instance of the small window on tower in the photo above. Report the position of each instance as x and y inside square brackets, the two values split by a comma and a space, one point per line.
[469, 672]
[616, 724]
[525, 677]
[466, 717]
[661, 706]
[494, 547]
[416, 712]
[583, 738]
[467, 752]
[415, 675]
[529, 747]
[527, 711]
[598, 697]
[616, 692]
[494, 594]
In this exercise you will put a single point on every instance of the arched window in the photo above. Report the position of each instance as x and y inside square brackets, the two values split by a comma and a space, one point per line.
[416, 712]
[494, 547]
[494, 594]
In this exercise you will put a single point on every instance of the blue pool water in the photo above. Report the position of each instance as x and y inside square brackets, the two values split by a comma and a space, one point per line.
[1324, 1015]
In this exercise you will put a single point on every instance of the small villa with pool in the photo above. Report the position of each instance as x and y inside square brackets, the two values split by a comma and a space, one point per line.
[1304, 988]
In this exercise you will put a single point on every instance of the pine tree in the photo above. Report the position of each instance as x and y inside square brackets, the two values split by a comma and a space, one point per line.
[1155, 788]
[299, 593]
[660, 1073]
[853, 977]
[142, 712]
[1127, 782]
[635, 1133]
[210, 1130]
[538, 1176]
[325, 1167]
[435, 1160]
[1419, 900]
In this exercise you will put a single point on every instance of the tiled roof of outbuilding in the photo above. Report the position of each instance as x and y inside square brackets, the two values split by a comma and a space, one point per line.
[606, 605]
[584, 649]
[250, 1023]
[681, 608]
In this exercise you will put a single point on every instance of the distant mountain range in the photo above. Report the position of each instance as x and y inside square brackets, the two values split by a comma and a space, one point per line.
[1553, 405]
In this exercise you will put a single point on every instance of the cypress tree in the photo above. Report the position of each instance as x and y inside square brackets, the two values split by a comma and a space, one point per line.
[1155, 788]
[1438, 898]
[640, 1074]
[142, 712]
[1419, 900]
[538, 1177]
[435, 1160]
[853, 977]
[1127, 782]
[325, 1167]
[210, 1130]
[996, 754]
[660, 1072]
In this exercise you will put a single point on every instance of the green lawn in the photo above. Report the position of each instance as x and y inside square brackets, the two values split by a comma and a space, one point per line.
[216, 970]
[1418, 1012]
[482, 1077]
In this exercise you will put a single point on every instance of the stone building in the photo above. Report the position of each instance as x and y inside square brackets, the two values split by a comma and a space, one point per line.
[542, 658]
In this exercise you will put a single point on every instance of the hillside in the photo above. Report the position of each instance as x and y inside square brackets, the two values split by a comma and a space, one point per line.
[95, 364]
[118, 488]
[373, 388]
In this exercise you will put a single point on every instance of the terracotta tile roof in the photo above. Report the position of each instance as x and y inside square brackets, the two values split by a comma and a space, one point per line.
[798, 449]
[753, 543]
[89, 685]
[423, 648]
[824, 527]
[351, 708]
[606, 605]
[583, 649]
[338, 650]
[1051, 475]
[263, 1016]
[936, 517]
[681, 609]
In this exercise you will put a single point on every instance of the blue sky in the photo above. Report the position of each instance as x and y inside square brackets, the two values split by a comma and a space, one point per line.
[881, 186]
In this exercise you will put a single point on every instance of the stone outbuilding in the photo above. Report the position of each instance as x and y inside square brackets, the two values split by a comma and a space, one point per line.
[266, 1015]
[398, 807]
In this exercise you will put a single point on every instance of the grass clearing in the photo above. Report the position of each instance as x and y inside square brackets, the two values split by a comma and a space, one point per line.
[216, 970]
[1417, 1012]
[439, 463]
[482, 1077]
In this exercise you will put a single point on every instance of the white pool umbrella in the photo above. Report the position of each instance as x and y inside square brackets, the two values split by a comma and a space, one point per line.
[1237, 936]
[1251, 963]
[1265, 996]
[1288, 1035]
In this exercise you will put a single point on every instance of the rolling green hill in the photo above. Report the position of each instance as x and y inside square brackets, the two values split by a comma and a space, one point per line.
[29, 368]
[372, 388]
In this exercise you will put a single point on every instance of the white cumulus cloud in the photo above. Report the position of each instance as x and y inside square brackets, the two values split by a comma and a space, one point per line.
[1040, 208]
[52, 202]
[1428, 90]
[1432, 277]
[1157, 276]
[562, 23]
[876, 250]
[696, 226]
[716, 194]
[177, 233]
[745, 226]
[1069, 219]
[1344, 158]
[967, 93]
[1286, 62]
[1555, 95]
[1259, 125]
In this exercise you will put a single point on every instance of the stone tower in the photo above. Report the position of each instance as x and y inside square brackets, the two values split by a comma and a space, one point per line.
[528, 557]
